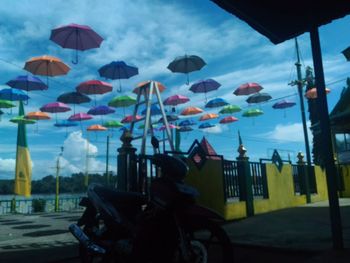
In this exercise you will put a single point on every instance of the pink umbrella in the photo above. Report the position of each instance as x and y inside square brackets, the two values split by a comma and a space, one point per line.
[129, 118]
[171, 126]
[55, 107]
[80, 117]
[228, 119]
[247, 89]
[175, 100]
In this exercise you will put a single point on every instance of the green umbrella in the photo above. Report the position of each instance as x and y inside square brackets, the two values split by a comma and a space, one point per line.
[122, 101]
[228, 109]
[252, 113]
[22, 120]
[113, 124]
[6, 104]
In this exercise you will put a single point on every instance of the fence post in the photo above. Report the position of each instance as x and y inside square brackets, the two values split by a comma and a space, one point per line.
[245, 180]
[127, 162]
[303, 177]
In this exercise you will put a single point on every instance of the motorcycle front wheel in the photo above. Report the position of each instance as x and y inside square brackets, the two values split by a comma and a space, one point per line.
[209, 243]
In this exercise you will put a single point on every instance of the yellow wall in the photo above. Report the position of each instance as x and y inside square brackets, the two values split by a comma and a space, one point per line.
[321, 184]
[346, 180]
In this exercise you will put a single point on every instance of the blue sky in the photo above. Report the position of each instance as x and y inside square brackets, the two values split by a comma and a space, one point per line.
[149, 35]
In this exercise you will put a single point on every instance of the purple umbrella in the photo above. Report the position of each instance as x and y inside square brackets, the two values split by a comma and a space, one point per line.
[283, 104]
[101, 110]
[55, 107]
[204, 86]
[175, 100]
[118, 70]
[27, 83]
[80, 117]
[77, 37]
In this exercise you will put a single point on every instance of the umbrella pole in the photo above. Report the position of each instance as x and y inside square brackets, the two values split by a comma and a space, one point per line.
[120, 86]
[188, 79]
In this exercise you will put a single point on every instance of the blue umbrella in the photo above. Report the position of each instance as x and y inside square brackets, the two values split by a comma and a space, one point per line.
[66, 124]
[154, 110]
[101, 110]
[214, 103]
[186, 123]
[206, 125]
[118, 70]
[185, 128]
[204, 86]
[13, 94]
[27, 83]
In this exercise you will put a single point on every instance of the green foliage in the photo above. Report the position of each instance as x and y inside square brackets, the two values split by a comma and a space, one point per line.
[38, 205]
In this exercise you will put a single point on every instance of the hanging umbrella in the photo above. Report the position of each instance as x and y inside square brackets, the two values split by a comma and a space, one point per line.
[204, 86]
[101, 110]
[228, 109]
[247, 89]
[27, 83]
[77, 37]
[46, 66]
[13, 94]
[118, 70]
[191, 111]
[186, 123]
[65, 124]
[94, 87]
[171, 126]
[186, 64]
[208, 116]
[206, 125]
[73, 98]
[113, 124]
[185, 129]
[252, 113]
[169, 117]
[228, 119]
[283, 104]
[37, 115]
[154, 110]
[214, 103]
[312, 93]
[122, 101]
[129, 118]
[175, 100]
[5, 104]
[96, 127]
[22, 120]
[145, 85]
[55, 107]
[80, 117]
[258, 98]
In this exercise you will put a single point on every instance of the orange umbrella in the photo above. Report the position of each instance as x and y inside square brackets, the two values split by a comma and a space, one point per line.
[96, 127]
[312, 93]
[208, 116]
[191, 111]
[147, 84]
[38, 115]
[46, 66]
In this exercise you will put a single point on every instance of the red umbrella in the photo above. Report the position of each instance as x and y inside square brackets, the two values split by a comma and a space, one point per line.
[129, 118]
[228, 119]
[175, 100]
[247, 89]
[94, 87]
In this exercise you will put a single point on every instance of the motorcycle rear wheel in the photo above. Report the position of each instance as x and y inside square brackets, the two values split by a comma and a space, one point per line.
[210, 243]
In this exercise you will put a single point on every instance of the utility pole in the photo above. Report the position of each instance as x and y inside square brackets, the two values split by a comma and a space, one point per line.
[58, 180]
[107, 161]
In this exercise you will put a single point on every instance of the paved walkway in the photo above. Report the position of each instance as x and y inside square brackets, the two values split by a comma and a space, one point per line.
[299, 234]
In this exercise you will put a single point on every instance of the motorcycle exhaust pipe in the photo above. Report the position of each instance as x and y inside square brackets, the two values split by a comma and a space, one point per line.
[85, 240]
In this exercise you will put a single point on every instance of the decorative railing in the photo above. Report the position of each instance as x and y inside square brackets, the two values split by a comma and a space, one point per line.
[258, 179]
[231, 183]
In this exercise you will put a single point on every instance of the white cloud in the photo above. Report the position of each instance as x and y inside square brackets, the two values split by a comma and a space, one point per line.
[7, 165]
[286, 133]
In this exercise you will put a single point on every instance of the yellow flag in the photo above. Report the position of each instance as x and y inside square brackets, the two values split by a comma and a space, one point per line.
[23, 174]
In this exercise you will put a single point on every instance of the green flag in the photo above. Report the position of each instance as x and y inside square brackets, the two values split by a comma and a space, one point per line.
[23, 173]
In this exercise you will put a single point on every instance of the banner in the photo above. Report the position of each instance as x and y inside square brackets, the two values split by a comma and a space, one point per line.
[23, 173]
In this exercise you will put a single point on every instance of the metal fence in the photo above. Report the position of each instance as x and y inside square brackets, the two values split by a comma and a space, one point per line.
[146, 172]
[259, 185]
[296, 179]
[231, 183]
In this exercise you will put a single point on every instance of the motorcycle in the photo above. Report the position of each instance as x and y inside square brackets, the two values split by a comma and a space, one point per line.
[166, 226]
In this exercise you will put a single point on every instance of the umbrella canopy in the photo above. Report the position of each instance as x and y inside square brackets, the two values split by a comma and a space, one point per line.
[118, 70]
[73, 98]
[129, 118]
[283, 104]
[55, 107]
[27, 83]
[258, 98]
[186, 64]
[37, 115]
[94, 87]
[312, 93]
[145, 85]
[122, 101]
[22, 120]
[230, 109]
[101, 110]
[208, 116]
[247, 89]
[171, 126]
[175, 100]
[204, 86]
[80, 117]
[186, 123]
[65, 123]
[113, 124]
[214, 103]
[77, 37]
[13, 94]
[185, 129]
[154, 110]
[46, 66]
[96, 127]
[252, 113]
[191, 111]
[228, 119]
[206, 125]
[4, 104]
[169, 117]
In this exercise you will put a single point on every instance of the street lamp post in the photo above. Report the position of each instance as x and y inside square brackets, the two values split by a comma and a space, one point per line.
[58, 180]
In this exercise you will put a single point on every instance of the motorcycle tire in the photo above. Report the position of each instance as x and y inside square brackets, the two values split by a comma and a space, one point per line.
[209, 243]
